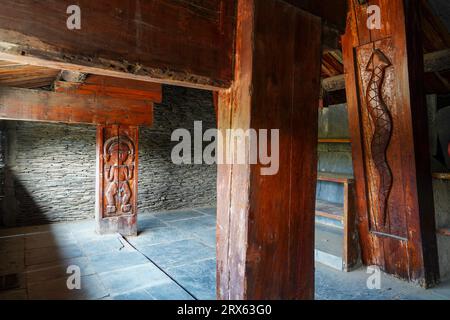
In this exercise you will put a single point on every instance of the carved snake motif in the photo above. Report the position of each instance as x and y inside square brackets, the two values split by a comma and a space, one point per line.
[382, 120]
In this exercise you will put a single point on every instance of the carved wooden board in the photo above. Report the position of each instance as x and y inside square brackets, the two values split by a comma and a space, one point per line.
[117, 179]
[380, 135]
[388, 125]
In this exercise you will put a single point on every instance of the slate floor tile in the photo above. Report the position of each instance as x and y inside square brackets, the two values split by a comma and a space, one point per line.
[183, 243]
[12, 244]
[103, 246]
[116, 260]
[140, 294]
[158, 235]
[168, 291]
[150, 222]
[91, 289]
[128, 279]
[57, 269]
[178, 215]
[91, 235]
[443, 289]
[199, 278]
[195, 224]
[44, 240]
[206, 236]
[208, 211]
[80, 226]
[178, 253]
[18, 294]
[45, 255]
[12, 262]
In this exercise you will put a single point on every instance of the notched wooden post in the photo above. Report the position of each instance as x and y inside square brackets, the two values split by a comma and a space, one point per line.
[265, 227]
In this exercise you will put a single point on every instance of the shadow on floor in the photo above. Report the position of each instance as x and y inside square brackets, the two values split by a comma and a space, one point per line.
[173, 258]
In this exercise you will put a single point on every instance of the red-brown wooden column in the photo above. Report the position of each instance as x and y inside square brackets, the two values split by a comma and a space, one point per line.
[117, 179]
[388, 123]
[266, 223]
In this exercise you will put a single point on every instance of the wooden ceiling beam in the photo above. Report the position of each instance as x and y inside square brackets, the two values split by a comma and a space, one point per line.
[331, 39]
[437, 61]
[332, 12]
[45, 106]
[187, 43]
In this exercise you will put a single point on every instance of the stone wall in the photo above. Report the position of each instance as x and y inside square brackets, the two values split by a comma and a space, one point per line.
[50, 168]
[162, 184]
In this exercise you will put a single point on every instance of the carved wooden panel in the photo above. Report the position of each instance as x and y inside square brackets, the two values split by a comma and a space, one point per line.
[388, 126]
[117, 177]
[378, 111]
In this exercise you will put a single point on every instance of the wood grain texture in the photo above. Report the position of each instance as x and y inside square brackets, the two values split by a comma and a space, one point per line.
[332, 12]
[406, 245]
[113, 88]
[168, 41]
[117, 180]
[266, 223]
[351, 252]
[25, 76]
[46, 106]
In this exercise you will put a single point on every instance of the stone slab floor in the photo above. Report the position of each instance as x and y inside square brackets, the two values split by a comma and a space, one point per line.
[172, 258]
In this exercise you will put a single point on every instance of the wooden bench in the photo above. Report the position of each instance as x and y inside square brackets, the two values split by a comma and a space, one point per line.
[443, 176]
[345, 213]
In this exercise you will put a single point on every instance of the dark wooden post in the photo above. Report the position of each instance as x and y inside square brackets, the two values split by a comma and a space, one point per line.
[117, 179]
[266, 223]
[388, 124]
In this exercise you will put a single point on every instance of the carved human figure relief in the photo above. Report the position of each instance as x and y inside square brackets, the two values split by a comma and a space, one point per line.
[382, 122]
[118, 172]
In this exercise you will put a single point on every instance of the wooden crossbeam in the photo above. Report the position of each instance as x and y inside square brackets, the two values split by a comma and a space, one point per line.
[434, 62]
[113, 88]
[170, 41]
[46, 106]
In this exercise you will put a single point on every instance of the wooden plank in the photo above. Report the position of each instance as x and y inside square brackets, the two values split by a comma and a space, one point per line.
[327, 140]
[436, 35]
[46, 106]
[216, 104]
[329, 215]
[393, 180]
[113, 88]
[170, 41]
[334, 177]
[441, 176]
[117, 180]
[437, 61]
[23, 76]
[266, 223]
[351, 245]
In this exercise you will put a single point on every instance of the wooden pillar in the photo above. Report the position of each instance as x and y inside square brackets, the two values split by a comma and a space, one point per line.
[388, 123]
[117, 179]
[266, 222]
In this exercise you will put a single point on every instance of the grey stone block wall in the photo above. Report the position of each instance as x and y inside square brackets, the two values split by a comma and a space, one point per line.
[163, 185]
[50, 168]
[50, 173]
